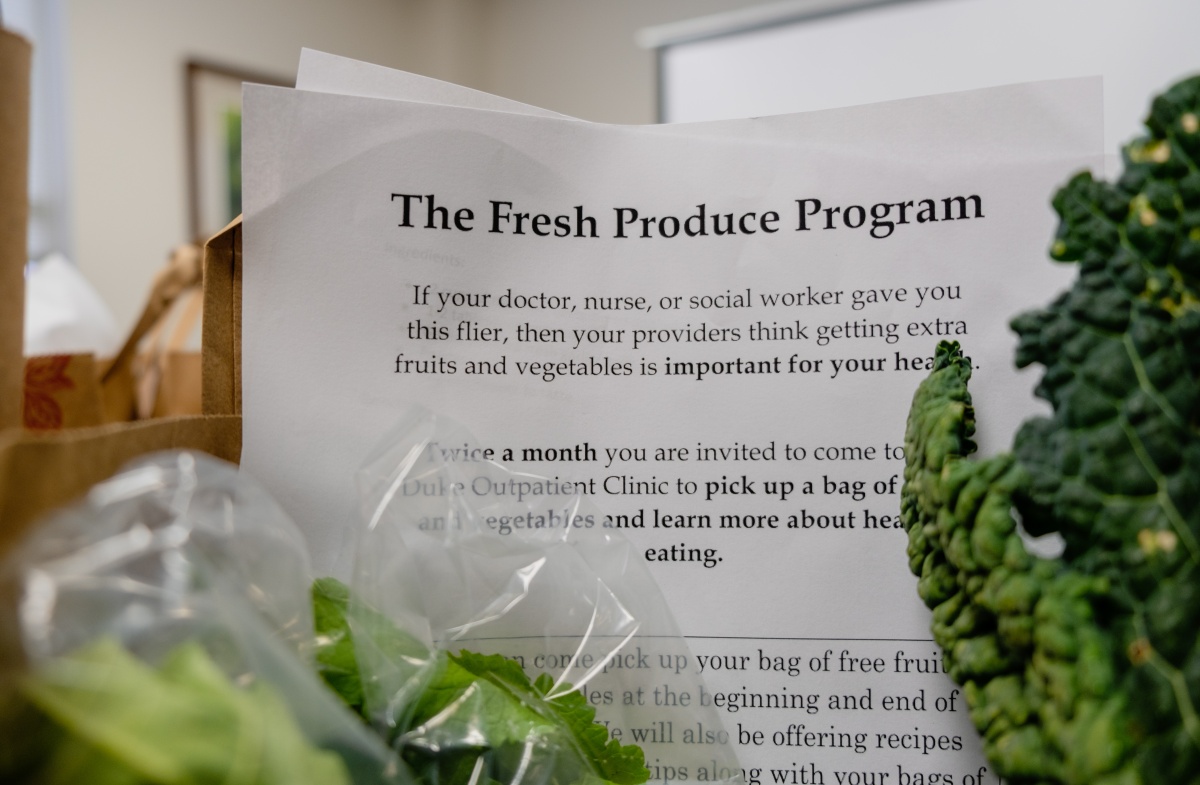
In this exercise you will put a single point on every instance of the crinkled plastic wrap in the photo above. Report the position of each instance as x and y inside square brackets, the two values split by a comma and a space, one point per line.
[460, 553]
[162, 634]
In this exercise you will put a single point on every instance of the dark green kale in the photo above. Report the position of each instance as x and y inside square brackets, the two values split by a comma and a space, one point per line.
[471, 717]
[1083, 668]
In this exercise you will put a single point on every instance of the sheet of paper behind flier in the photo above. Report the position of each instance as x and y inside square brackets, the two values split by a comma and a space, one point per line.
[335, 294]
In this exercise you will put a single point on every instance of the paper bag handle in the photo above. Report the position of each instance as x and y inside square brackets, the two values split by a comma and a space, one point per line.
[183, 272]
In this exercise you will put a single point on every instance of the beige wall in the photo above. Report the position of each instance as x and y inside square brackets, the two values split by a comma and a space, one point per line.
[126, 109]
[579, 57]
[126, 104]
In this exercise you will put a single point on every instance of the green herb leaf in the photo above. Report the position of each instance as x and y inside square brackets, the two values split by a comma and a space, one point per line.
[477, 718]
[338, 652]
[623, 764]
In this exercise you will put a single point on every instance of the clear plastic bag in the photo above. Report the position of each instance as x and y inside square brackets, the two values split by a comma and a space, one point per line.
[162, 634]
[458, 553]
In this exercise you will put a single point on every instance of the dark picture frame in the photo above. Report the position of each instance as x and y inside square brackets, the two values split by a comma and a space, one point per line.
[213, 97]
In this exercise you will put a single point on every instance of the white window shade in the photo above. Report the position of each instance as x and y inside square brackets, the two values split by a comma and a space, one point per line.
[42, 21]
[818, 54]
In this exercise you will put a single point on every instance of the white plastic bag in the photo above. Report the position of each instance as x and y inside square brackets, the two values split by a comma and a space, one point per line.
[164, 626]
[458, 553]
[64, 314]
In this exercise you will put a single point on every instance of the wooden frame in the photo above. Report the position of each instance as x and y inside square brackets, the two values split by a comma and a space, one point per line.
[213, 95]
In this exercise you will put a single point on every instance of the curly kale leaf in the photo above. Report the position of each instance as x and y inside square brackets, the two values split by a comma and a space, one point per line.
[1022, 634]
[1084, 668]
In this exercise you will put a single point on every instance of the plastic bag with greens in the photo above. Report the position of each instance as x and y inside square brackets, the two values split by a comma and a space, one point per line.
[495, 630]
[163, 634]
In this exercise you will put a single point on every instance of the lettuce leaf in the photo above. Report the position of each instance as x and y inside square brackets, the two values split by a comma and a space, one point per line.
[123, 721]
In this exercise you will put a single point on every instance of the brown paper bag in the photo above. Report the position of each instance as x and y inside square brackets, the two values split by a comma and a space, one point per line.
[153, 375]
[39, 472]
[42, 471]
[221, 357]
[61, 391]
[15, 57]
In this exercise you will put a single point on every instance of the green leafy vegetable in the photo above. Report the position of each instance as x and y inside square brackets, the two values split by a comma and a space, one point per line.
[1083, 668]
[338, 653]
[124, 723]
[474, 717]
